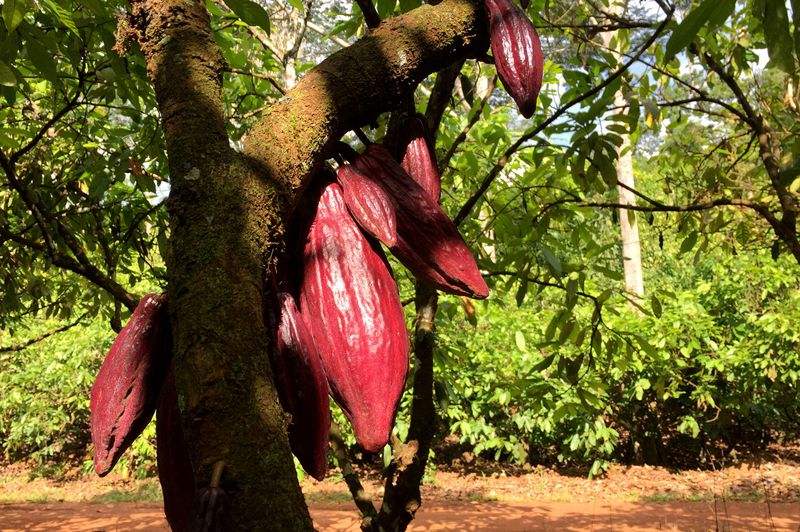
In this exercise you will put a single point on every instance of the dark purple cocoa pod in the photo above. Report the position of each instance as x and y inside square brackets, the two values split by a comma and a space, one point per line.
[126, 390]
[517, 53]
[174, 465]
[350, 303]
[419, 159]
[210, 505]
[369, 204]
[428, 243]
[302, 388]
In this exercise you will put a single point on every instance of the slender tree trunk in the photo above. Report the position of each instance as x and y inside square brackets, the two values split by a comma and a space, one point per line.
[628, 224]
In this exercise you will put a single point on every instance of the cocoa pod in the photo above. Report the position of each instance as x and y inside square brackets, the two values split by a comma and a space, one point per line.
[369, 204]
[172, 455]
[419, 159]
[428, 243]
[517, 53]
[351, 305]
[126, 389]
[302, 388]
[210, 505]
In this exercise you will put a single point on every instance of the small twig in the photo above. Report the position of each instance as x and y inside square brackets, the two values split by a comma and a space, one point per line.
[259, 76]
[360, 497]
[48, 334]
[371, 16]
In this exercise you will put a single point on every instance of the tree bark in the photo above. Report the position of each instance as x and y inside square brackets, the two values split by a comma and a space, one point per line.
[222, 217]
[226, 217]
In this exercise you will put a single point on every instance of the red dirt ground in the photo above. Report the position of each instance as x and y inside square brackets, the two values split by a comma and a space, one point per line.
[463, 516]
[747, 496]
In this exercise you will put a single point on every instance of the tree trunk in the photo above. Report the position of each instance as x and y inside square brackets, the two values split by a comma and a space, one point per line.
[226, 216]
[628, 224]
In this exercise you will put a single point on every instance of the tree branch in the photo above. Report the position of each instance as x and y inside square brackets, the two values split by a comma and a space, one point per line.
[36, 339]
[354, 85]
[371, 17]
[360, 497]
[402, 497]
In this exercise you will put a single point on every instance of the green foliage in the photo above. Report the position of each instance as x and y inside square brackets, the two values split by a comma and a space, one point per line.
[44, 407]
[721, 365]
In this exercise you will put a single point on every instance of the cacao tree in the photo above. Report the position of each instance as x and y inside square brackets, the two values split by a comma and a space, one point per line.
[111, 106]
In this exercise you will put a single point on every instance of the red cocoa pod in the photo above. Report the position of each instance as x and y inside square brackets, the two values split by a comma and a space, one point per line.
[369, 204]
[350, 303]
[419, 160]
[174, 465]
[517, 53]
[302, 388]
[428, 243]
[126, 390]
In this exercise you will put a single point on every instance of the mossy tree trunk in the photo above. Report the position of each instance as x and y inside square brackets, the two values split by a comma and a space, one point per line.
[226, 215]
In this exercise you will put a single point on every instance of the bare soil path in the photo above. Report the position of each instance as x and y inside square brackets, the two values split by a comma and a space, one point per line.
[747, 497]
[442, 516]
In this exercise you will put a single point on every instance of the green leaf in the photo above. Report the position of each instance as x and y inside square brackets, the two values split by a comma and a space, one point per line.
[13, 13]
[519, 339]
[544, 364]
[777, 35]
[42, 60]
[711, 13]
[655, 304]
[297, 4]
[386, 8]
[7, 77]
[64, 16]
[552, 261]
[250, 13]
[522, 291]
[689, 242]
[408, 5]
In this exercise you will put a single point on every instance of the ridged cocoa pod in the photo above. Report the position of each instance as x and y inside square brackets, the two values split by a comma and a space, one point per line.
[369, 204]
[302, 388]
[350, 303]
[419, 159]
[517, 53]
[210, 505]
[126, 390]
[174, 465]
[428, 243]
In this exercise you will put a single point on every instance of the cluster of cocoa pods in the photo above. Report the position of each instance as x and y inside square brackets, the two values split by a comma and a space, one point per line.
[340, 328]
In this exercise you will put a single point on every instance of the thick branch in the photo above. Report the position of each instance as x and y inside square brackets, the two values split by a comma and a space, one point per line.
[440, 96]
[222, 218]
[354, 85]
